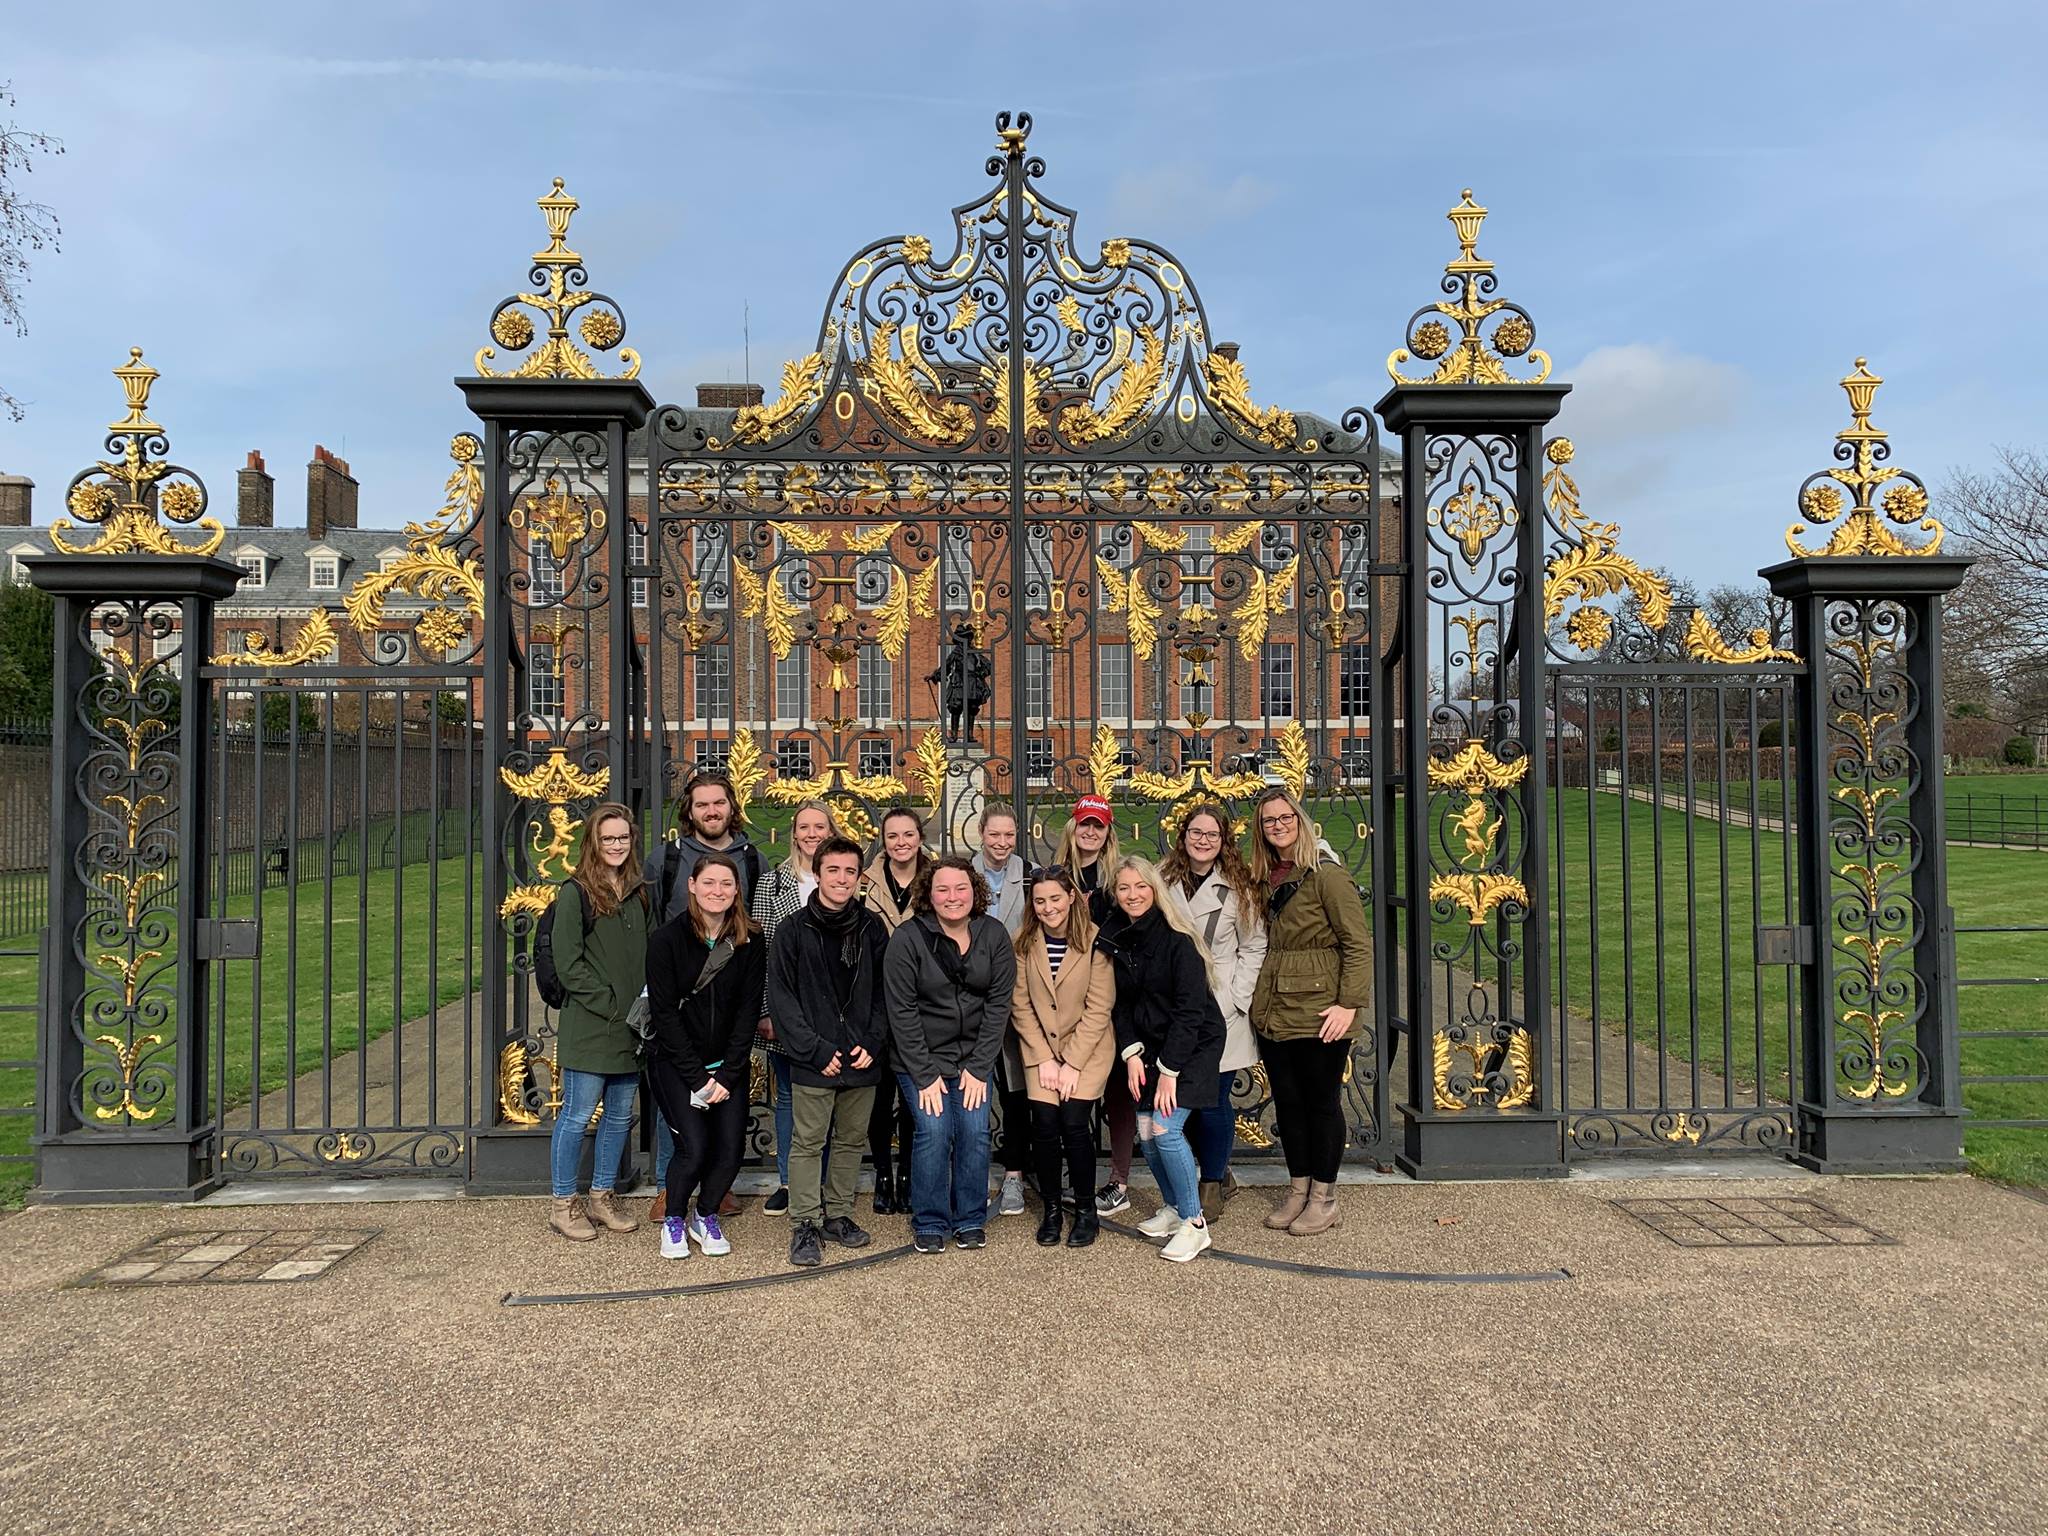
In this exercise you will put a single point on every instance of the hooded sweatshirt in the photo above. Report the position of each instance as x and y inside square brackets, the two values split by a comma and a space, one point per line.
[685, 850]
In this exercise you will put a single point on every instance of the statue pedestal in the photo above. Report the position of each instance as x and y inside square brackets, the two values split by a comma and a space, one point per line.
[964, 797]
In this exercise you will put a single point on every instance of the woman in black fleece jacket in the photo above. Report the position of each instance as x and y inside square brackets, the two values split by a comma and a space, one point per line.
[703, 1030]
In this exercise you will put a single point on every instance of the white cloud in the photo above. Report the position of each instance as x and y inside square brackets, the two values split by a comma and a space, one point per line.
[1642, 390]
[1179, 199]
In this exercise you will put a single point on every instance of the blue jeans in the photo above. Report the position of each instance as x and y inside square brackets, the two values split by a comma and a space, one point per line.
[664, 1146]
[948, 1162]
[1212, 1131]
[1163, 1138]
[785, 1114]
[580, 1094]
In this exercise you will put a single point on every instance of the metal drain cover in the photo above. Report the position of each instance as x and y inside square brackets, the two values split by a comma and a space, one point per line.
[232, 1258]
[1759, 1221]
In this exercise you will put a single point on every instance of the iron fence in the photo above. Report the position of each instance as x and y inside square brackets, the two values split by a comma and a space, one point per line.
[2009, 1049]
[1996, 820]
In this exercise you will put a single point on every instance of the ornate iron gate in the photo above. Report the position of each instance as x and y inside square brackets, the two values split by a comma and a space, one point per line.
[1006, 437]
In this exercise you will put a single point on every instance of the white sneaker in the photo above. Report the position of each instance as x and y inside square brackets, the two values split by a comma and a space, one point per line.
[1190, 1240]
[1011, 1200]
[675, 1241]
[710, 1236]
[1163, 1222]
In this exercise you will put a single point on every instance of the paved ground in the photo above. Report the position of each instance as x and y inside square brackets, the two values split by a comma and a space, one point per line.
[1895, 1389]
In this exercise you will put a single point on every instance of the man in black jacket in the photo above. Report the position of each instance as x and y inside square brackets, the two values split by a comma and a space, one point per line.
[825, 995]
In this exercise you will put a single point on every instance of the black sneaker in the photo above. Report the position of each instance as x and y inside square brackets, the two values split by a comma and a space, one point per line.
[841, 1230]
[929, 1242]
[804, 1248]
[777, 1204]
[1111, 1198]
[973, 1237]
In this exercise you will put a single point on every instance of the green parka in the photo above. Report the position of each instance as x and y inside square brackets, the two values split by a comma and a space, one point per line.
[603, 965]
[1318, 952]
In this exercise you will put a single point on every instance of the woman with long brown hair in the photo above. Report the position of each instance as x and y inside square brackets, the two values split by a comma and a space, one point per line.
[1060, 1021]
[599, 938]
[888, 888]
[1206, 875]
[1316, 976]
[704, 976]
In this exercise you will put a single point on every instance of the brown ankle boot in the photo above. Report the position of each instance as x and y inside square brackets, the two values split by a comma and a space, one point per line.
[658, 1212]
[568, 1220]
[607, 1215]
[1321, 1214]
[1291, 1207]
[1212, 1200]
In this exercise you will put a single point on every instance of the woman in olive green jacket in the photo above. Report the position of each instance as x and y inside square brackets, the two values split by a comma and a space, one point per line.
[1316, 977]
[599, 938]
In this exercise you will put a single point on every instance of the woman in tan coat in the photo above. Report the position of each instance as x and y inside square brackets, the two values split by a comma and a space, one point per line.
[1061, 1018]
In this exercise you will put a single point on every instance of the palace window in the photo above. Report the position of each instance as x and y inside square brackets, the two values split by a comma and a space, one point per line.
[793, 686]
[877, 757]
[1354, 760]
[956, 569]
[636, 554]
[252, 571]
[1037, 681]
[325, 573]
[544, 682]
[871, 576]
[793, 759]
[1038, 760]
[877, 684]
[1276, 680]
[1037, 566]
[1276, 546]
[1113, 681]
[548, 585]
[714, 683]
[1195, 556]
[1354, 680]
[708, 565]
[714, 756]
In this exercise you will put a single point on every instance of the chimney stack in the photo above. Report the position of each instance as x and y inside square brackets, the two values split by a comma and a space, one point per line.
[255, 495]
[16, 494]
[330, 494]
[727, 397]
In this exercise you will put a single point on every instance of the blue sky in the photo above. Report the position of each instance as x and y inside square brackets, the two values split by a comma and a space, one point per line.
[305, 214]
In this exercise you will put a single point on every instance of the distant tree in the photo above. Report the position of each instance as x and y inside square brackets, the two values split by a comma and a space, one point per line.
[25, 225]
[1996, 626]
[28, 641]
[2019, 752]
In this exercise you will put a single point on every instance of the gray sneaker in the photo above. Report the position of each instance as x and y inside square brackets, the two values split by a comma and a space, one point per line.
[1012, 1198]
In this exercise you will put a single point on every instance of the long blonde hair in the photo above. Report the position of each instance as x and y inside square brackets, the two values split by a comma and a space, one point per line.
[603, 890]
[1265, 857]
[1169, 911]
[1070, 856]
[1080, 934]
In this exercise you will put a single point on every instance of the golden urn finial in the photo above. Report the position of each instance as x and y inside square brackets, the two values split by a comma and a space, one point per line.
[136, 379]
[1861, 450]
[1473, 354]
[123, 495]
[557, 357]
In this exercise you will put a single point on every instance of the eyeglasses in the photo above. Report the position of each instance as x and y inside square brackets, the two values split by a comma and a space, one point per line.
[1284, 820]
[617, 842]
[1204, 834]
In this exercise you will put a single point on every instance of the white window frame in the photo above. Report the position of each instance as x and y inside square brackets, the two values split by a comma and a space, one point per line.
[711, 683]
[875, 686]
[1354, 662]
[1271, 656]
[330, 566]
[1275, 555]
[793, 759]
[546, 582]
[876, 755]
[636, 554]
[956, 568]
[545, 683]
[255, 571]
[1037, 681]
[795, 669]
[710, 567]
[1038, 760]
[1105, 702]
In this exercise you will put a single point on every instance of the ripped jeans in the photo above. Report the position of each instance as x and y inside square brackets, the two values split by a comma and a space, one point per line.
[1164, 1141]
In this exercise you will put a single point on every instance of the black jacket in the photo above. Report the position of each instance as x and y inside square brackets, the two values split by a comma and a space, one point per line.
[940, 1026]
[716, 1024]
[670, 865]
[1164, 1005]
[803, 1000]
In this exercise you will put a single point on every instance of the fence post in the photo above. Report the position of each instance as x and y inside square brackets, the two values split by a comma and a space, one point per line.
[557, 441]
[1473, 994]
[123, 1112]
[1879, 1075]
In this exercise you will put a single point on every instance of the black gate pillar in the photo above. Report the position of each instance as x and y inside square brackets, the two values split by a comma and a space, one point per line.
[559, 444]
[1469, 959]
[1880, 1088]
[122, 1108]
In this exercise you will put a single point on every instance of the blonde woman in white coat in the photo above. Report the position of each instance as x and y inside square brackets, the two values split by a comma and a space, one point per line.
[1207, 877]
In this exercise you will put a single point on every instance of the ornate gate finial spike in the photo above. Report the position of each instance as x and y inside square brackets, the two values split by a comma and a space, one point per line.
[1470, 354]
[1010, 140]
[1863, 449]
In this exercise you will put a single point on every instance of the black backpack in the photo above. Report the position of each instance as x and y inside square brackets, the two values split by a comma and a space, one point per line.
[546, 978]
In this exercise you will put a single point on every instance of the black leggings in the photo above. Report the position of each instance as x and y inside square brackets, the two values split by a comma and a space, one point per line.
[708, 1142]
[1307, 1077]
[1067, 1127]
[1019, 1129]
[890, 1118]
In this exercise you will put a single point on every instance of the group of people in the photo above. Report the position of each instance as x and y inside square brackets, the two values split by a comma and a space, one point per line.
[898, 997]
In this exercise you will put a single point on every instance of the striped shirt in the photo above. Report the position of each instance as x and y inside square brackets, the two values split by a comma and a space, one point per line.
[1055, 952]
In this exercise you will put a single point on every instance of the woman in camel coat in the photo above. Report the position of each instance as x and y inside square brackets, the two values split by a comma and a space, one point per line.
[1060, 1017]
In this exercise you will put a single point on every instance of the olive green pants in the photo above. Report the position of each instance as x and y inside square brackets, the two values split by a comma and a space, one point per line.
[842, 1114]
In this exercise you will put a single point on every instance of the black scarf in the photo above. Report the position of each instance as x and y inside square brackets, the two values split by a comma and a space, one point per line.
[844, 925]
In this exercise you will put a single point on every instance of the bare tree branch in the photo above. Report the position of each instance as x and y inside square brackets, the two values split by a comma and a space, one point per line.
[25, 225]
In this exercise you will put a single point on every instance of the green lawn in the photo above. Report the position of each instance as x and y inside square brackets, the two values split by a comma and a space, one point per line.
[371, 972]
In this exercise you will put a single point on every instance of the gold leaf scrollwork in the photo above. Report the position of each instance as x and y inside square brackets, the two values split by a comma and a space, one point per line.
[764, 597]
[557, 357]
[930, 758]
[557, 518]
[1265, 597]
[1124, 592]
[1473, 356]
[1864, 447]
[557, 781]
[1703, 642]
[316, 638]
[129, 1058]
[518, 1102]
[1593, 565]
[909, 389]
[1136, 384]
[995, 378]
[1294, 759]
[1517, 1070]
[1105, 762]
[743, 767]
[1230, 391]
[803, 386]
[128, 524]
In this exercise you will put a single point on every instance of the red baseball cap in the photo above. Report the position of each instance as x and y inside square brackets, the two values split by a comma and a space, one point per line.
[1092, 808]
